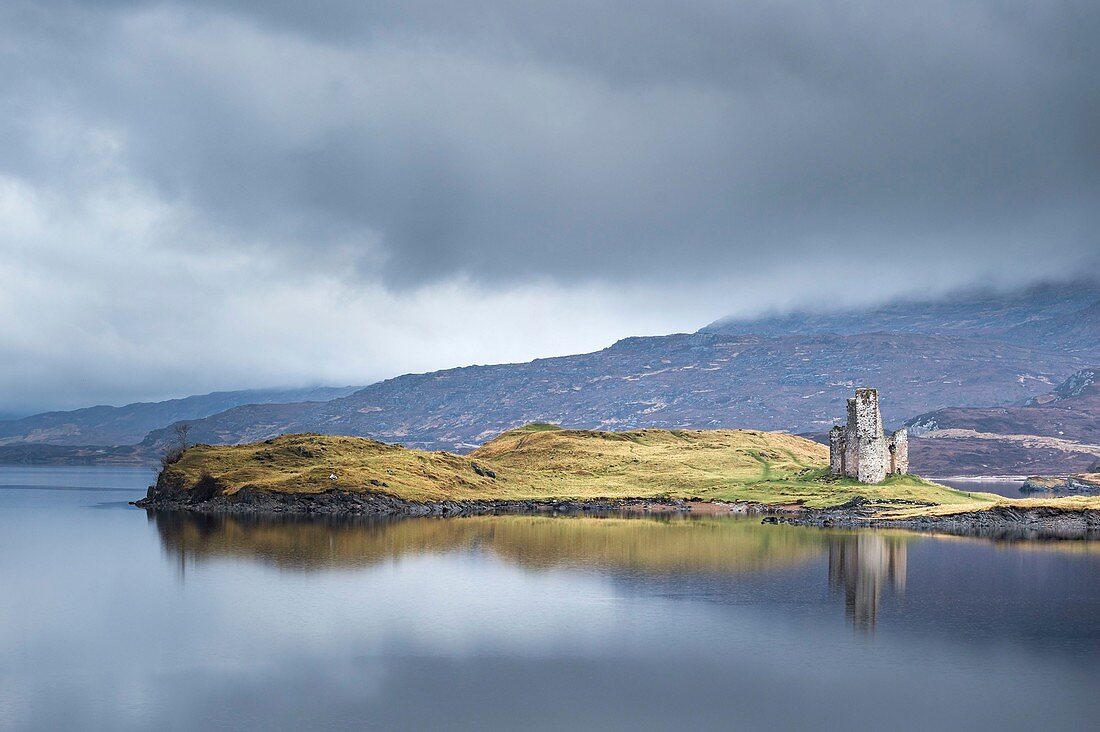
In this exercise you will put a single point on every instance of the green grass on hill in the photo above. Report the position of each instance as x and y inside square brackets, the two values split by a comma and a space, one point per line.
[547, 462]
[538, 427]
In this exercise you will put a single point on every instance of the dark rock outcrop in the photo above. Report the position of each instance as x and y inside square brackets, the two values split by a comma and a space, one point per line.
[999, 522]
[211, 499]
[1071, 485]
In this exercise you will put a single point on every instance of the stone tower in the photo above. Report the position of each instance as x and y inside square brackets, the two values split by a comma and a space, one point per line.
[861, 449]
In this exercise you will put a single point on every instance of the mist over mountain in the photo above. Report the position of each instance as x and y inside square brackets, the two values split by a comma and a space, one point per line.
[1038, 315]
[790, 372]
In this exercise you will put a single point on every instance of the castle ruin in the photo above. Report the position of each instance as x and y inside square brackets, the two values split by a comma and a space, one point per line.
[861, 449]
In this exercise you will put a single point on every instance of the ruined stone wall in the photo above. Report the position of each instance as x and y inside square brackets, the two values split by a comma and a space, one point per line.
[898, 446]
[836, 450]
[872, 444]
[851, 442]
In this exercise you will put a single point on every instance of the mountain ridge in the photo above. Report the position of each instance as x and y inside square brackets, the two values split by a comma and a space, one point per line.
[105, 425]
[702, 380]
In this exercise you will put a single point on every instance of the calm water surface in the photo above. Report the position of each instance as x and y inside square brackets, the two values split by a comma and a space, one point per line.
[1010, 488]
[114, 620]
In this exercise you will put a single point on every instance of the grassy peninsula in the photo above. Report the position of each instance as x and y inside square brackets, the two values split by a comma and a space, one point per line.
[542, 463]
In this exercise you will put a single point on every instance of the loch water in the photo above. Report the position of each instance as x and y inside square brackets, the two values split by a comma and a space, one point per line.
[1007, 487]
[115, 619]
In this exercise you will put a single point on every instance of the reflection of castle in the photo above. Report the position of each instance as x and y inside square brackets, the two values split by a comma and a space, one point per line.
[861, 565]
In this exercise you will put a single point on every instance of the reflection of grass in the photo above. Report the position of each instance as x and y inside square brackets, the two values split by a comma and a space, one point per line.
[656, 545]
[678, 545]
[546, 462]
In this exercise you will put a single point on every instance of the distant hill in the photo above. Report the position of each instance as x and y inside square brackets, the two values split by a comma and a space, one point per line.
[704, 380]
[1054, 433]
[111, 426]
[1075, 332]
[1070, 411]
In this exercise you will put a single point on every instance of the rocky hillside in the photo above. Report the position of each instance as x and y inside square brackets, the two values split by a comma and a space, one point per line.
[706, 380]
[1053, 433]
[1079, 391]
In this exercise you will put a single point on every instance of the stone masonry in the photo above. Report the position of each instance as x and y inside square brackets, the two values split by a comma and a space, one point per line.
[861, 449]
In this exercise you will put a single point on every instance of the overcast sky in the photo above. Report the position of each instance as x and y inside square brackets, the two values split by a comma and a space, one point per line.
[199, 196]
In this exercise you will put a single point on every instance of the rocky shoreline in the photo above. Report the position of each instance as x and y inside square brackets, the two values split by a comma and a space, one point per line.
[1081, 485]
[998, 522]
[373, 503]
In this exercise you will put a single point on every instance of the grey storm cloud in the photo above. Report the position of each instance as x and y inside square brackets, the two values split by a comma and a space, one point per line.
[220, 195]
[634, 141]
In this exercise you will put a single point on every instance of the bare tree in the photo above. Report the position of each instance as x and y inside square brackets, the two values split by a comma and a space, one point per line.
[172, 453]
[182, 430]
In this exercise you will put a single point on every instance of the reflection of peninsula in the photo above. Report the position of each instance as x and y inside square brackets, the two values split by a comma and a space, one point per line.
[660, 545]
[862, 566]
